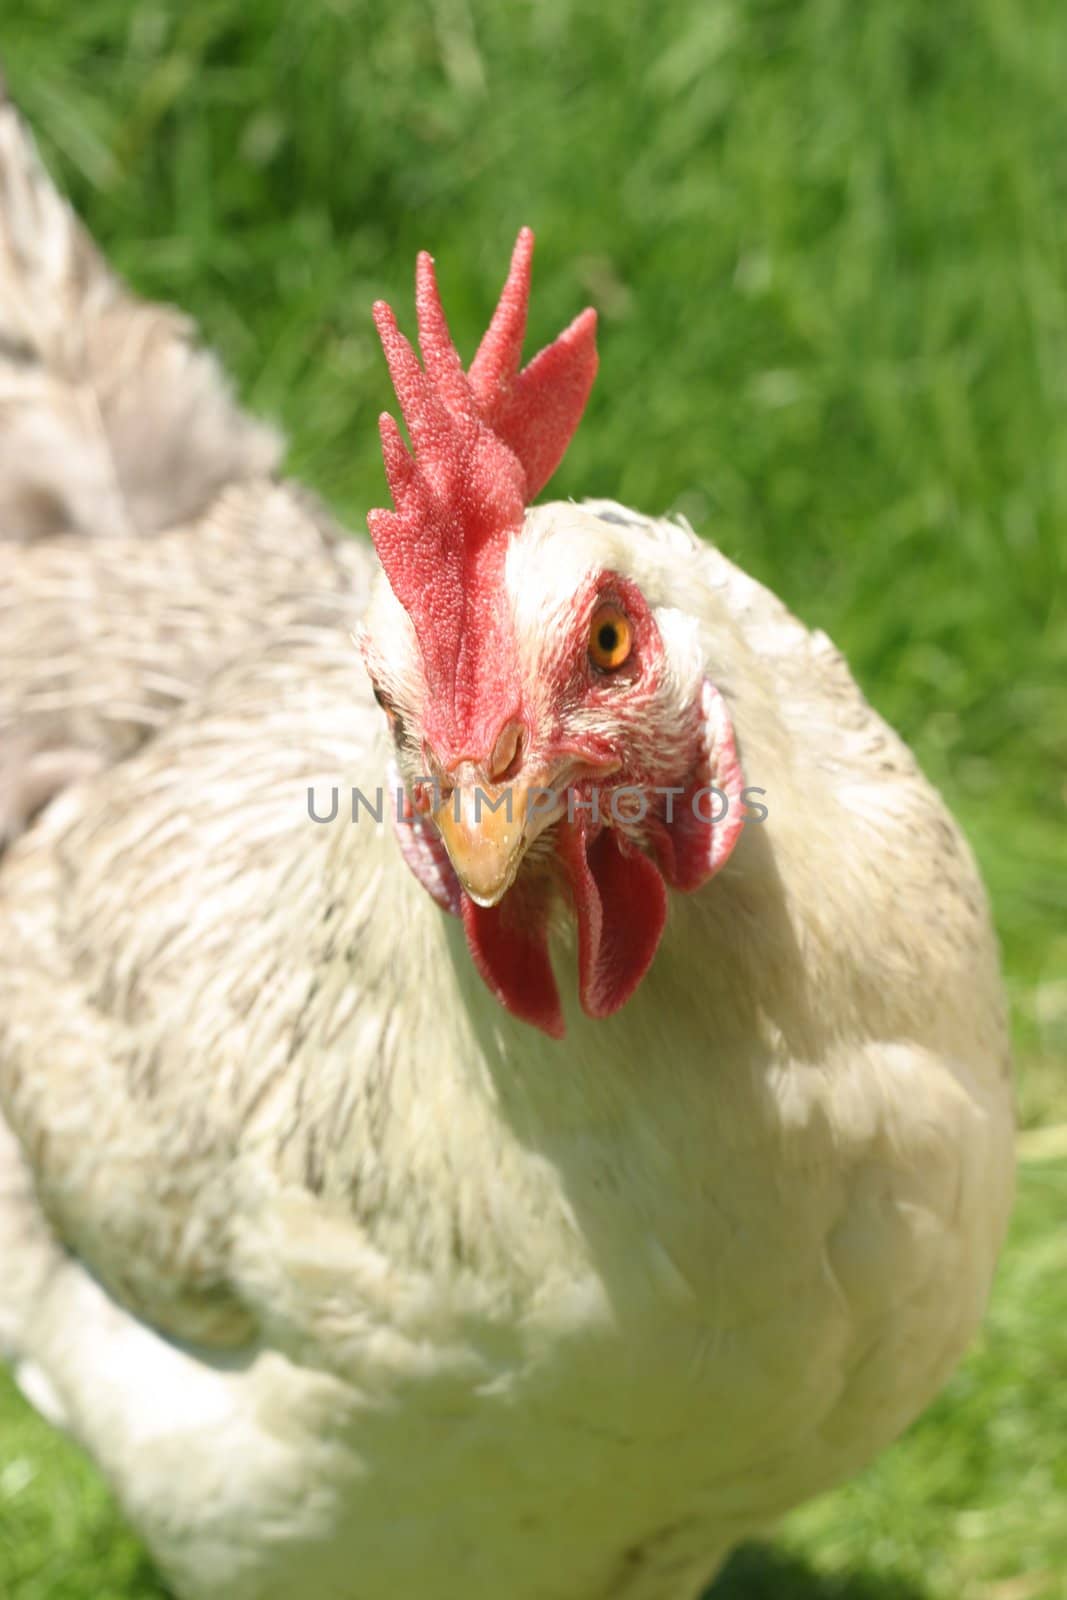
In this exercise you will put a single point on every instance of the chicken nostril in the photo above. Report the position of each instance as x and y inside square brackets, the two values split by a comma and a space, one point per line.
[431, 791]
[506, 759]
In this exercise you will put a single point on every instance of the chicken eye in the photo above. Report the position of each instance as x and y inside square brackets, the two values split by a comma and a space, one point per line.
[610, 638]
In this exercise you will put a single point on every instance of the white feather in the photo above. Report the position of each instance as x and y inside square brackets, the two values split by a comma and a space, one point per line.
[366, 1288]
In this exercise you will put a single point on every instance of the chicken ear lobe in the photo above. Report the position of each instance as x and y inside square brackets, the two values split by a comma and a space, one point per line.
[704, 822]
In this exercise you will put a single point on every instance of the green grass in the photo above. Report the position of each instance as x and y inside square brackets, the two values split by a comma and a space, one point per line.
[828, 242]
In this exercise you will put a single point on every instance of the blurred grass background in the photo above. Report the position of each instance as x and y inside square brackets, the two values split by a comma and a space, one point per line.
[828, 243]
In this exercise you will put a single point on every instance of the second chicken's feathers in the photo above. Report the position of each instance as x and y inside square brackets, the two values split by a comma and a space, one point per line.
[116, 425]
[113, 421]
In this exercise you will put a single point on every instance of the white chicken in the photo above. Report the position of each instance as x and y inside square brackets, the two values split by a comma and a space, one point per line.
[533, 1192]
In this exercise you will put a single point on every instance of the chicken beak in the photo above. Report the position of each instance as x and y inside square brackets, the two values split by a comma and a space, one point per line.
[483, 826]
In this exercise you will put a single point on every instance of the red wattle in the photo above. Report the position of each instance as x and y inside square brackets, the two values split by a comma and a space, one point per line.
[620, 902]
[509, 947]
[619, 895]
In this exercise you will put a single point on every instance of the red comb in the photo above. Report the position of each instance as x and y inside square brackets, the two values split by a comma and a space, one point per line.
[483, 444]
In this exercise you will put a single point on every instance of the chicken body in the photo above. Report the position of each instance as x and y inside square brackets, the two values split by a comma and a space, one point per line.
[356, 1284]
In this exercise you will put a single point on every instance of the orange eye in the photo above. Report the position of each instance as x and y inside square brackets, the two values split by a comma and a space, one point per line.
[610, 638]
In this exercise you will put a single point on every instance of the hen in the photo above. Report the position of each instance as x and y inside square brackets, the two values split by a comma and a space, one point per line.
[595, 1138]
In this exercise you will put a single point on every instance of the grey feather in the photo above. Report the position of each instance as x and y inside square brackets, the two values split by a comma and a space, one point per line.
[115, 424]
[113, 420]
